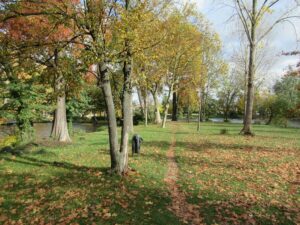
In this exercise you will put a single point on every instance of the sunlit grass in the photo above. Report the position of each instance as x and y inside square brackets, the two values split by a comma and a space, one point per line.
[235, 179]
[240, 179]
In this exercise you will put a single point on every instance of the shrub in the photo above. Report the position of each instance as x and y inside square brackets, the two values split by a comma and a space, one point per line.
[8, 141]
[224, 131]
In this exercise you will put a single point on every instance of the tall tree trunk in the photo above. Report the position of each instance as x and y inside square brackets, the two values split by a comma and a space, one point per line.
[60, 126]
[226, 115]
[270, 118]
[126, 104]
[245, 85]
[245, 97]
[175, 107]
[111, 115]
[167, 106]
[188, 114]
[203, 106]
[250, 90]
[156, 106]
[126, 112]
[146, 107]
[131, 127]
[200, 110]
[139, 92]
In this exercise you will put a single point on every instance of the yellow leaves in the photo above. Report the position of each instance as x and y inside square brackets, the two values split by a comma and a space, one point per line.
[49, 90]
[267, 10]
[149, 203]
[8, 141]
[106, 214]
[24, 76]
[9, 171]
[274, 202]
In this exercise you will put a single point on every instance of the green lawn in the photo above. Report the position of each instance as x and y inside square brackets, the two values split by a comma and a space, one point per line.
[235, 179]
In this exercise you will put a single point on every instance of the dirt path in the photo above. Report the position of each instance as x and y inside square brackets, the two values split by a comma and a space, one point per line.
[187, 213]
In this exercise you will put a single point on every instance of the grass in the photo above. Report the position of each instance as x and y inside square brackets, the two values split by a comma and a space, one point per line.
[235, 179]
[239, 180]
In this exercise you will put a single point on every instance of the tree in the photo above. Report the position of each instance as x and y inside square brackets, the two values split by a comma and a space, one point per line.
[265, 57]
[212, 66]
[287, 102]
[32, 25]
[251, 16]
[230, 90]
[189, 97]
[24, 96]
[182, 43]
[113, 32]
[149, 75]
[266, 106]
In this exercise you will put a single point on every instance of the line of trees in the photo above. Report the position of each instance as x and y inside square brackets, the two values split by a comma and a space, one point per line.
[55, 54]
[70, 57]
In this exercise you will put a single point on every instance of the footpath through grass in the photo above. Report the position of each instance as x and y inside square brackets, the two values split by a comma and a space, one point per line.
[235, 180]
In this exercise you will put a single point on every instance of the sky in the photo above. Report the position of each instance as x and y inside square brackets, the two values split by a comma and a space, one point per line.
[281, 39]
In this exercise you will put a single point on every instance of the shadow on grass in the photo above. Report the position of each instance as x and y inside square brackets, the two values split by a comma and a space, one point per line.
[26, 148]
[79, 194]
[218, 208]
[205, 145]
[26, 160]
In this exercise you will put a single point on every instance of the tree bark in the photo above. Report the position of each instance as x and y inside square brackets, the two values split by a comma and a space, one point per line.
[188, 111]
[126, 112]
[146, 107]
[111, 115]
[175, 107]
[200, 111]
[203, 105]
[139, 92]
[250, 86]
[131, 127]
[226, 115]
[245, 96]
[60, 126]
[156, 105]
[167, 106]
[270, 118]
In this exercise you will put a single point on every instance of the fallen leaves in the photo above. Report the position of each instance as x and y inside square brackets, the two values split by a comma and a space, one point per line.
[224, 179]
[3, 218]
[240, 181]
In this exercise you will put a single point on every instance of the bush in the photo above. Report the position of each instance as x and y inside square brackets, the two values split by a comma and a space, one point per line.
[224, 131]
[137, 118]
[9, 141]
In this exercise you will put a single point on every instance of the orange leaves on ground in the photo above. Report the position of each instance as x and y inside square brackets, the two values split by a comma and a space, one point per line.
[241, 179]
